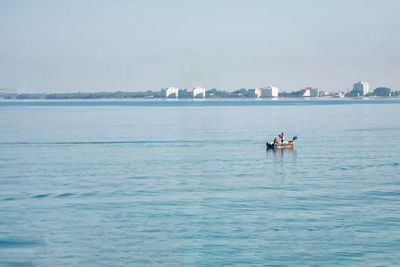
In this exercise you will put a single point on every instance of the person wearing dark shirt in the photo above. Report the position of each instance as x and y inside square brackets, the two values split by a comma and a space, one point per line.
[281, 137]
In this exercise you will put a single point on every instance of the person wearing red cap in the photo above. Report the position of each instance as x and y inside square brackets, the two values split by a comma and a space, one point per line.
[281, 137]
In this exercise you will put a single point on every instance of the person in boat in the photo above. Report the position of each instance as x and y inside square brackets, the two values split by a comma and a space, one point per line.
[281, 137]
[275, 140]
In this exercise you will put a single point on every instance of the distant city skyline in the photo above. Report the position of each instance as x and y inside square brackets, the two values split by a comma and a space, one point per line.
[70, 46]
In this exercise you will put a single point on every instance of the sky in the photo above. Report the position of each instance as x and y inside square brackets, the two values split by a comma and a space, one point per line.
[94, 45]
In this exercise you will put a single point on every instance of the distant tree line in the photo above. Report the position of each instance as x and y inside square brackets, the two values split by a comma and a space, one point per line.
[291, 94]
[224, 94]
[97, 95]
[396, 93]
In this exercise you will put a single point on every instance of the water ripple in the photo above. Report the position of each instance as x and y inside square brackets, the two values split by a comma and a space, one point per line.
[40, 196]
[126, 142]
[19, 243]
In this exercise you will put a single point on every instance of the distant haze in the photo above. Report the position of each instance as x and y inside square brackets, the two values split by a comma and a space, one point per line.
[70, 46]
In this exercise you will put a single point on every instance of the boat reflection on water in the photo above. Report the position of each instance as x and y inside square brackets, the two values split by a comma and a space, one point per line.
[282, 154]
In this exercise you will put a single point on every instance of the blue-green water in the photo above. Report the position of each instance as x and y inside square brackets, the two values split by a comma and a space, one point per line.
[122, 183]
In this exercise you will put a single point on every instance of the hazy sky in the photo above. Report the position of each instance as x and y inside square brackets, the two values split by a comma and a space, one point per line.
[69, 46]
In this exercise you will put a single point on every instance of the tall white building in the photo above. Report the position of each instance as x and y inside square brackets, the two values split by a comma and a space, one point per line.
[170, 91]
[199, 92]
[270, 91]
[361, 85]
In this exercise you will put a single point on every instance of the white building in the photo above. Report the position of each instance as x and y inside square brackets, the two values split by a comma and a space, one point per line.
[170, 91]
[256, 92]
[270, 91]
[309, 91]
[199, 92]
[361, 85]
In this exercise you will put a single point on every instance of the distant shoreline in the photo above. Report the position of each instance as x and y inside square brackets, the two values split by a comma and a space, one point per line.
[213, 94]
[199, 99]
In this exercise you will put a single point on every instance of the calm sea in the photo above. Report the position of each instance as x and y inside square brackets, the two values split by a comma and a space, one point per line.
[123, 183]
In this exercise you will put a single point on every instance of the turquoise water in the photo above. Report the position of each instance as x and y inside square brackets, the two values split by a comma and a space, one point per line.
[171, 183]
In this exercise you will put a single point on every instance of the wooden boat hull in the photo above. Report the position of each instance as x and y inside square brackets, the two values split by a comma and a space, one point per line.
[271, 145]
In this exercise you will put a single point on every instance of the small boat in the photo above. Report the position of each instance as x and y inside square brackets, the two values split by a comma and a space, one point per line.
[284, 144]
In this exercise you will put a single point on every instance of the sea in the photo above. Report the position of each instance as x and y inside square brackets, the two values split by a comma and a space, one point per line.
[190, 183]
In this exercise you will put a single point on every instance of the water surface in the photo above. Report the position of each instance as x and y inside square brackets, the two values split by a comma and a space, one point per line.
[190, 183]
